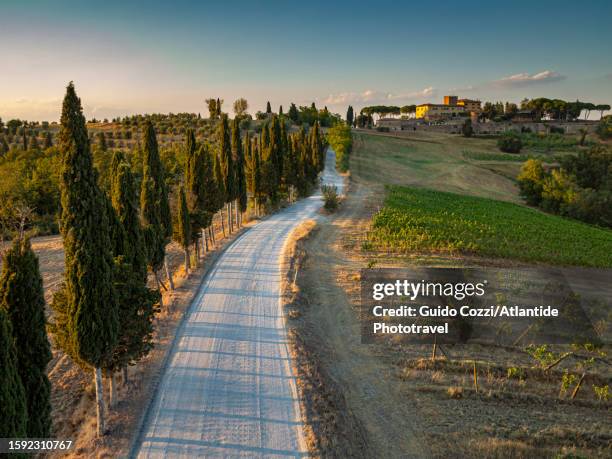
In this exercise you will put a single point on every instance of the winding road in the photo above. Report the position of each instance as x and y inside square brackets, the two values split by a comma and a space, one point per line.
[228, 389]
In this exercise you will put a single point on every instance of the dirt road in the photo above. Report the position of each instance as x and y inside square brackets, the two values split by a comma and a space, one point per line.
[229, 389]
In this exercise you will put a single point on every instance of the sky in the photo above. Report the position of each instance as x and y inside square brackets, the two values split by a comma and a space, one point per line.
[128, 57]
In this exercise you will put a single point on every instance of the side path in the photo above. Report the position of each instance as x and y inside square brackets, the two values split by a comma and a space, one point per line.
[229, 388]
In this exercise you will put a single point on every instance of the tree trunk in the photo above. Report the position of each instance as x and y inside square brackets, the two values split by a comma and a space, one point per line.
[168, 275]
[229, 217]
[205, 238]
[161, 298]
[236, 212]
[256, 207]
[222, 222]
[187, 260]
[99, 402]
[124, 371]
[112, 390]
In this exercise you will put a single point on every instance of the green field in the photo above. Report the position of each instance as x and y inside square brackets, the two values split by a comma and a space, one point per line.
[432, 160]
[428, 221]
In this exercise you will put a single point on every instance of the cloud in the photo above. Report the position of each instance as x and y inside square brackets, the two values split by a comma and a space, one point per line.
[526, 79]
[376, 97]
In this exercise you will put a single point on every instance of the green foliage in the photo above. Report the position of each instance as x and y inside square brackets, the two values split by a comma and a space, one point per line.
[237, 147]
[604, 128]
[154, 206]
[581, 188]
[602, 392]
[530, 181]
[349, 115]
[341, 141]
[86, 322]
[542, 354]
[330, 197]
[510, 142]
[425, 220]
[183, 227]
[226, 158]
[137, 303]
[13, 422]
[22, 299]
[467, 130]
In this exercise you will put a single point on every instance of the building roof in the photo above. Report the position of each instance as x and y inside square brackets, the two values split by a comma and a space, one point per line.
[438, 105]
[469, 100]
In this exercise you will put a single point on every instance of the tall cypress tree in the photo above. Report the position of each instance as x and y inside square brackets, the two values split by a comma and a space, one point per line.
[227, 165]
[154, 206]
[23, 300]
[86, 308]
[183, 226]
[240, 180]
[349, 115]
[137, 303]
[14, 419]
[198, 177]
[220, 197]
[293, 113]
[268, 108]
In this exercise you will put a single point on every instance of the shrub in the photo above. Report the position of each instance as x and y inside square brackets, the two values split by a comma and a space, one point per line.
[557, 130]
[530, 181]
[467, 130]
[330, 197]
[604, 129]
[382, 129]
[510, 143]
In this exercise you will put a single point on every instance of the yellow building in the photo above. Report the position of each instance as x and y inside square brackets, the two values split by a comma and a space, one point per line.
[438, 111]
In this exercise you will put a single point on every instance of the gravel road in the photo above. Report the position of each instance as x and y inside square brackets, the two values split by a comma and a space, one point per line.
[229, 389]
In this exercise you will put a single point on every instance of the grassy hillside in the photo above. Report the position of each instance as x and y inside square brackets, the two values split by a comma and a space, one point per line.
[422, 220]
[433, 160]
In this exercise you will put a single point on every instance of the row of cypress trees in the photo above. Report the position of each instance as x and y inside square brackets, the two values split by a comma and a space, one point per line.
[103, 311]
[262, 167]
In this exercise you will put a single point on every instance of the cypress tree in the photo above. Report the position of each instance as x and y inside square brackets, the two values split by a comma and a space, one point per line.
[280, 111]
[240, 181]
[198, 189]
[14, 419]
[86, 308]
[349, 115]
[183, 226]
[220, 197]
[154, 205]
[227, 166]
[293, 113]
[240, 173]
[137, 303]
[268, 108]
[24, 139]
[23, 300]
[48, 142]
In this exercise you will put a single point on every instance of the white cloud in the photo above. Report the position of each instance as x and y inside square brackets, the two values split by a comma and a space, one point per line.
[525, 79]
[375, 97]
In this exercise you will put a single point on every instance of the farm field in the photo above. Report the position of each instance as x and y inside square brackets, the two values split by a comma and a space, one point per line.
[421, 220]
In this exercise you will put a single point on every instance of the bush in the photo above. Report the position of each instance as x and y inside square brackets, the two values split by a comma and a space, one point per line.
[557, 130]
[382, 129]
[467, 130]
[330, 197]
[530, 181]
[604, 129]
[510, 143]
